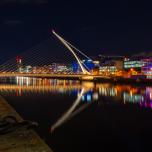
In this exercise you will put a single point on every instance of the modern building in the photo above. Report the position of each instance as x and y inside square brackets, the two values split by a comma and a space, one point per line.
[88, 64]
[41, 69]
[28, 69]
[61, 68]
[76, 68]
[92, 66]
[111, 67]
[133, 63]
[19, 62]
[147, 68]
[140, 65]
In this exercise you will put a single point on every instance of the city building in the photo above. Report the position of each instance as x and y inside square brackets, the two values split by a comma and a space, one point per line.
[111, 67]
[61, 68]
[92, 66]
[147, 68]
[27, 69]
[41, 69]
[134, 63]
[88, 64]
[139, 66]
[19, 62]
[76, 68]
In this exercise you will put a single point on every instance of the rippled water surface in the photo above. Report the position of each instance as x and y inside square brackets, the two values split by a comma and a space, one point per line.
[76, 116]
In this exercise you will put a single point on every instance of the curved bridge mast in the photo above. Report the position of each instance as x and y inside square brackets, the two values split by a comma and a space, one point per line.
[66, 44]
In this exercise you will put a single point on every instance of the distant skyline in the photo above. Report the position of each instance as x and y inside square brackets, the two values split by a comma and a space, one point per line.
[107, 27]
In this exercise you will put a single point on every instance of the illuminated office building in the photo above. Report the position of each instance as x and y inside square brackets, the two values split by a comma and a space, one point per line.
[19, 62]
[147, 68]
[28, 69]
[41, 69]
[111, 67]
[61, 68]
[133, 63]
[92, 66]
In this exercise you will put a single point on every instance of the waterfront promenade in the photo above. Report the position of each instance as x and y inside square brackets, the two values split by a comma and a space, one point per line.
[21, 140]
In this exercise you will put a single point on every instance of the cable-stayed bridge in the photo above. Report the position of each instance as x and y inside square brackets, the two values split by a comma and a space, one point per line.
[44, 62]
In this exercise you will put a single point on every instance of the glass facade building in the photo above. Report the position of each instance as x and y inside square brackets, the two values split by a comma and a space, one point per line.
[138, 64]
[147, 68]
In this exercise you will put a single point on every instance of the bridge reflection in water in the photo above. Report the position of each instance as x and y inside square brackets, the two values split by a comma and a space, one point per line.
[86, 93]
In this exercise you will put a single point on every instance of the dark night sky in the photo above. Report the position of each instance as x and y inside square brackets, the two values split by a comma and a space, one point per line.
[105, 27]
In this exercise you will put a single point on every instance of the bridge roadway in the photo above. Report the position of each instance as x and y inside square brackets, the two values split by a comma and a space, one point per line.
[61, 76]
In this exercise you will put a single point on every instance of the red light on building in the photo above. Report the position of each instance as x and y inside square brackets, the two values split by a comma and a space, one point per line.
[19, 59]
[19, 64]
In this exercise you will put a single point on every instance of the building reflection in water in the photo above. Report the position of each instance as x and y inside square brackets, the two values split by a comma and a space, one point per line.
[23, 86]
[67, 115]
[84, 92]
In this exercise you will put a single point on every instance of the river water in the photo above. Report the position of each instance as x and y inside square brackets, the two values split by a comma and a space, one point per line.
[76, 116]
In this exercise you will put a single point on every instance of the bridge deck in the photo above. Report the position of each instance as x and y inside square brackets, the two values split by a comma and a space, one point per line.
[21, 140]
[47, 75]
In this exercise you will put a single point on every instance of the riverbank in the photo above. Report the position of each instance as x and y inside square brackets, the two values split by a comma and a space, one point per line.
[22, 139]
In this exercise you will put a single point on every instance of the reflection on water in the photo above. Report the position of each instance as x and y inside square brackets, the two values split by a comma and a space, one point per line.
[108, 113]
[22, 86]
[69, 112]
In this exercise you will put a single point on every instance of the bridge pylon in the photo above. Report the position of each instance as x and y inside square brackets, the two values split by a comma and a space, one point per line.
[66, 44]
